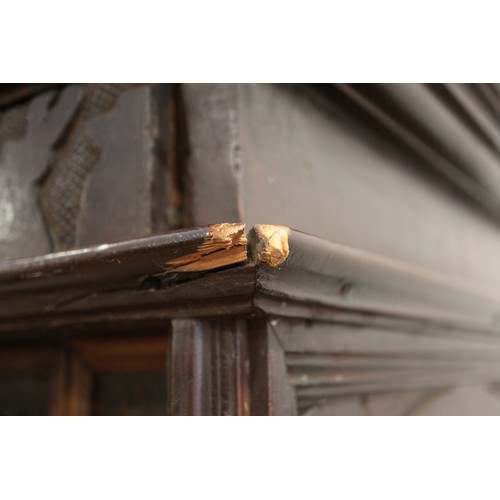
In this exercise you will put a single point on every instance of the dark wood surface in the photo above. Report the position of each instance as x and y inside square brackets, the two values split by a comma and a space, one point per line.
[323, 273]
[117, 375]
[327, 361]
[192, 272]
[131, 281]
[448, 125]
[213, 156]
[72, 175]
[308, 159]
[208, 367]
[392, 308]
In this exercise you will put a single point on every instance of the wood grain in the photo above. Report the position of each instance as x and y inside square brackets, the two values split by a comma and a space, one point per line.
[208, 368]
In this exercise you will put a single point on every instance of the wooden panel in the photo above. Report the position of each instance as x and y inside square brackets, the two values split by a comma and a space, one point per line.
[272, 393]
[24, 396]
[117, 203]
[128, 394]
[70, 156]
[144, 354]
[320, 272]
[28, 134]
[478, 400]
[445, 125]
[309, 165]
[29, 360]
[341, 369]
[213, 158]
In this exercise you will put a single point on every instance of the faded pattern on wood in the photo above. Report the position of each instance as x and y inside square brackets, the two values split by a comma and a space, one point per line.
[77, 166]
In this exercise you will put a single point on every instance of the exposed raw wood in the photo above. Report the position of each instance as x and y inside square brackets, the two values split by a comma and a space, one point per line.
[269, 244]
[225, 245]
[286, 273]
[103, 283]
[394, 302]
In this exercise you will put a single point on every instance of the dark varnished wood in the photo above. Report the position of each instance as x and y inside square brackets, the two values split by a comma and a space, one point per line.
[325, 362]
[67, 162]
[311, 162]
[440, 123]
[322, 273]
[271, 392]
[11, 93]
[393, 308]
[71, 386]
[124, 281]
[156, 277]
[213, 157]
[208, 367]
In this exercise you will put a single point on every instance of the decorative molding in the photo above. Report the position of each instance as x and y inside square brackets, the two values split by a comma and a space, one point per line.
[454, 128]
[325, 361]
[318, 279]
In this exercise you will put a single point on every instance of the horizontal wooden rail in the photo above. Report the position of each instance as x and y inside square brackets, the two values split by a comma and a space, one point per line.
[214, 270]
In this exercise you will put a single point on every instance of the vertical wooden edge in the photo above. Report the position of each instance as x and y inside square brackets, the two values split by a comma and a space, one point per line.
[271, 393]
[188, 369]
[207, 367]
[230, 369]
[71, 386]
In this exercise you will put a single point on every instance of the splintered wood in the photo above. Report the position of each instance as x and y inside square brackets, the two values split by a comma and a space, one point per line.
[226, 244]
[270, 244]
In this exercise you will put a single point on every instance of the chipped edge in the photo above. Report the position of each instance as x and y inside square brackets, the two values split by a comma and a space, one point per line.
[269, 244]
[224, 245]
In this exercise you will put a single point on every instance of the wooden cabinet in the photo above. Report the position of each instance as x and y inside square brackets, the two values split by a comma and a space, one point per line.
[220, 249]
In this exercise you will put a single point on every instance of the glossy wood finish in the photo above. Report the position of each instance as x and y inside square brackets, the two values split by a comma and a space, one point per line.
[130, 281]
[322, 273]
[158, 274]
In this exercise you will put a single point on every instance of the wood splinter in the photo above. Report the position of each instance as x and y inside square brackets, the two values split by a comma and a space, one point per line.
[224, 245]
[269, 244]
